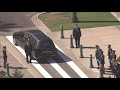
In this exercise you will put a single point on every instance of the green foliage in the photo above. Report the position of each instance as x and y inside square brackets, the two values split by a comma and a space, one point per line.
[17, 74]
[2, 74]
[86, 20]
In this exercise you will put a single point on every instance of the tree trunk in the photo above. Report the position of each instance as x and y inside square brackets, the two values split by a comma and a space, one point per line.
[74, 17]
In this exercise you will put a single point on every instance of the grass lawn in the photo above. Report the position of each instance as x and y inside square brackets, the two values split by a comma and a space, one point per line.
[86, 20]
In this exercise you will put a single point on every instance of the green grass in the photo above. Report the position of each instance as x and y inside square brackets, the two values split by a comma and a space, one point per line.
[86, 20]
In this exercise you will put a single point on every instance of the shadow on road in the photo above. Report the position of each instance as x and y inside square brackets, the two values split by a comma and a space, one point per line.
[11, 67]
[5, 27]
[60, 58]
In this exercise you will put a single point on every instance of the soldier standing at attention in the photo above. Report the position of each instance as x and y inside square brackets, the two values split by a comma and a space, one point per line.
[102, 61]
[97, 54]
[77, 35]
[109, 54]
[4, 56]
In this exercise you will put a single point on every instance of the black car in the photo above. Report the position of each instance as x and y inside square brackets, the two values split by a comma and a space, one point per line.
[42, 45]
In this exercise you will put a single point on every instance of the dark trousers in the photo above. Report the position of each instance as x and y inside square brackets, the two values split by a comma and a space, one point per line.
[28, 55]
[5, 61]
[97, 62]
[77, 42]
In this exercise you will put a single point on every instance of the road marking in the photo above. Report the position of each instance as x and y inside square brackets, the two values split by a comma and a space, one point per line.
[59, 69]
[74, 66]
[37, 66]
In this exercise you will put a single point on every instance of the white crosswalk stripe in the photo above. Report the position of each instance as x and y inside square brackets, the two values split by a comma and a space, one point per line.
[53, 64]
[74, 66]
[37, 66]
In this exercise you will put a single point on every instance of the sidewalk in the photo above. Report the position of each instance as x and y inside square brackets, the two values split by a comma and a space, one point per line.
[101, 36]
[13, 64]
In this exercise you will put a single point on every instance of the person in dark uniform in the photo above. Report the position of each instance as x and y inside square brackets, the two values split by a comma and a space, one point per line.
[109, 51]
[113, 62]
[114, 67]
[97, 54]
[102, 60]
[118, 70]
[109, 54]
[77, 35]
[4, 56]
[28, 51]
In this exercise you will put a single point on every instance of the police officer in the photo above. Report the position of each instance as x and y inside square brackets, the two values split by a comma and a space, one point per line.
[4, 56]
[28, 51]
[77, 35]
[97, 55]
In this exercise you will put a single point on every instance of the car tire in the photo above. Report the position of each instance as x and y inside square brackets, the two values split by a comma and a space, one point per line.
[14, 42]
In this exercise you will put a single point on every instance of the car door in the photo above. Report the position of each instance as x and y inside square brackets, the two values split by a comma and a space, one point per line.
[25, 38]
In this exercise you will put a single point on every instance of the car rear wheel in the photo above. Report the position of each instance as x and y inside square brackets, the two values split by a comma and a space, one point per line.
[14, 42]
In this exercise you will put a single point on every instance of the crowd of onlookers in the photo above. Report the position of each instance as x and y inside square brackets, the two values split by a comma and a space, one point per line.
[114, 65]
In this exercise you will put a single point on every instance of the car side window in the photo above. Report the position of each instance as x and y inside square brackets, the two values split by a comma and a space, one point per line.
[20, 35]
[26, 36]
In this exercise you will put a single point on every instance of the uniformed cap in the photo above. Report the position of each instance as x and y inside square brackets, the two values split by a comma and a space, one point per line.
[109, 46]
[97, 46]
[4, 46]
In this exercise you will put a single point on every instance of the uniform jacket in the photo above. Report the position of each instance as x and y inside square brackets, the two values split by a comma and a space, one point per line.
[76, 33]
[28, 49]
[4, 53]
[97, 54]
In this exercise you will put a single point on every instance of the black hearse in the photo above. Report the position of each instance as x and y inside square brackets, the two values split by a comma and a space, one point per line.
[43, 46]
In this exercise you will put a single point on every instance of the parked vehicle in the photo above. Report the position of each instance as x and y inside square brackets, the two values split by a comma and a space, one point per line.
[43, 46]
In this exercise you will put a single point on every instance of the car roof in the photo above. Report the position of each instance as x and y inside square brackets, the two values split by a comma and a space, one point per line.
[38, 34]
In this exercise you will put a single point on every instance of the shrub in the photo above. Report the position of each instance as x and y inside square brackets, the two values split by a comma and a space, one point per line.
[17, 74]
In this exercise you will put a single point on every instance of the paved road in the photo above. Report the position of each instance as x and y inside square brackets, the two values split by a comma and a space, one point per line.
[15, 21]
[11, 21]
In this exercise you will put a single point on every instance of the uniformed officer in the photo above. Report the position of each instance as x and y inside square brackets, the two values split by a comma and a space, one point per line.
[77, 35]
[4, 56]
[113, 62]
[109, 54]
[28, 51]
[114, 67]
[97, 55]
[118, 71]
[101, 59]
[109, 51]
[114, 54]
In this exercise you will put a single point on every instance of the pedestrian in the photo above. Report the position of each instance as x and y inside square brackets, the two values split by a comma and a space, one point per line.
[4, 56]
[28, 51]
[97, 54]
[77, 35]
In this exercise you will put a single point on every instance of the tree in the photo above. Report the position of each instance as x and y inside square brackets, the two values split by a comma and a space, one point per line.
[74, 17]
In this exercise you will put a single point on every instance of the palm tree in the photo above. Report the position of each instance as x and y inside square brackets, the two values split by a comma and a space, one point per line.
[74, 17]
